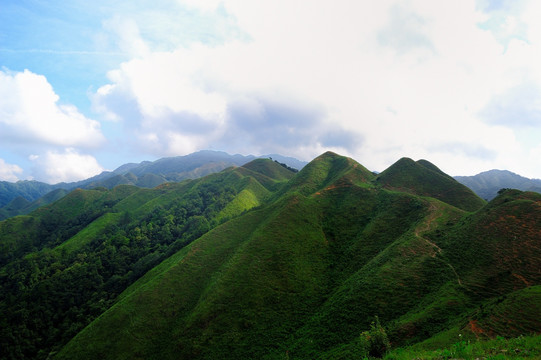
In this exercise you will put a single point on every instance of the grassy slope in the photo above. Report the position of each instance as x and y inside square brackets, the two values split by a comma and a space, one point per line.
[89, 233]
[522, 347]
[269, 168]
[214, 287]
[102, 214]
[304, 275]
[507, 233]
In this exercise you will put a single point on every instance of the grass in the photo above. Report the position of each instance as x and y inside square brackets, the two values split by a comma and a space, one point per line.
[522, 347]
[89, 233]
[424, 178]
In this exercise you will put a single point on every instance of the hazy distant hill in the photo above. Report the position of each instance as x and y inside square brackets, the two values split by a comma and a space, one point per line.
[258, 261]
[21, 206]
[29, 190]
[488, 183]
[146, 174]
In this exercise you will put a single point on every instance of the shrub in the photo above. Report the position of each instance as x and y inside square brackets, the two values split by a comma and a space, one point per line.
[374, 342]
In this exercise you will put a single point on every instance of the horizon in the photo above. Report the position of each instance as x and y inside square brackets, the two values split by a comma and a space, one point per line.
[260, 157]
[90, 87]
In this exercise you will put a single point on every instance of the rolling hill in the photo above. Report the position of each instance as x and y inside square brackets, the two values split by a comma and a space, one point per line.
[260, 262]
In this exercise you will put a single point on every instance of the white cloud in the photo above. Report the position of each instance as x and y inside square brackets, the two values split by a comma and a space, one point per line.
[9, 172]
[30, 113]
[125, 36]
[66, 166]
[345, 64]
[205, 5]
[405, 31]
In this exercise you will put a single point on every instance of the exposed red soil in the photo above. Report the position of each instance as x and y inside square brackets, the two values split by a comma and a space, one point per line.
[475, 329]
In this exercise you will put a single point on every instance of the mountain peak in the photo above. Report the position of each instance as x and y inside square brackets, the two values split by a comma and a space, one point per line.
[424, 178]
[488, 183]
[327, 169]
[269, 168]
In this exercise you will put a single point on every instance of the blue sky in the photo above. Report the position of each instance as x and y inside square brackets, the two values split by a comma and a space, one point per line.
[86, 87]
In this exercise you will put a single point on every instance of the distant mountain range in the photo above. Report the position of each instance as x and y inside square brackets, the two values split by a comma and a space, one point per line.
[24, 196]
[488, 183]
[261, 262]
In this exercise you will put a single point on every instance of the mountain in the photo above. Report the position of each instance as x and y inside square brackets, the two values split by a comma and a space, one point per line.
[178, 168]
[488, 183]
[258, 261]
[146, 174]
[424, 178]
[29, 190]
[21, 206]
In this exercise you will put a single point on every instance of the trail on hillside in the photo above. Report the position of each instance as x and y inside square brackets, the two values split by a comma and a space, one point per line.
[434, 213]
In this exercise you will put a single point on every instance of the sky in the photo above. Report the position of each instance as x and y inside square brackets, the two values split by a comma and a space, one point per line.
[88, 86]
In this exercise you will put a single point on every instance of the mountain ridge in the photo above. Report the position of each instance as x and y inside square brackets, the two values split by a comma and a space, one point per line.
[144, 174]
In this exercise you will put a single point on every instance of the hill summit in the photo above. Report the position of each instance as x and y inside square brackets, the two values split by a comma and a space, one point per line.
[424, 178]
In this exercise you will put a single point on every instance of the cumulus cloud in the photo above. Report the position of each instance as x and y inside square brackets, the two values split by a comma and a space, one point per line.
[30, 113]
[64, 166]
[9, 172]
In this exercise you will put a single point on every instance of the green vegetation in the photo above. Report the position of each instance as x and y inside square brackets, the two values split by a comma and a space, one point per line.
[522, 347]
[23, 197]
[424, 178]
[66, 263]
[374, 342]
[262, 262]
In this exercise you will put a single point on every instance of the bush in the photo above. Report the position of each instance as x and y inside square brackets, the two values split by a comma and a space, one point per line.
[374, 342]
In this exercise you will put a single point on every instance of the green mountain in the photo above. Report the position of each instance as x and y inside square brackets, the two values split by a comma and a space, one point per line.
[488, 183]
[21, 206]
[29, 190]
[424, 178]
[260, 262]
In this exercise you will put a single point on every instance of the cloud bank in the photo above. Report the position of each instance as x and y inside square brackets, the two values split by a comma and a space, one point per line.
[374, 81]
[457, 83]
